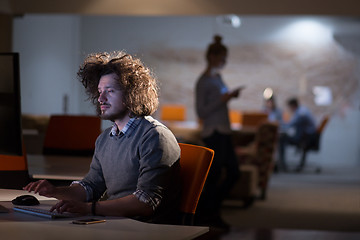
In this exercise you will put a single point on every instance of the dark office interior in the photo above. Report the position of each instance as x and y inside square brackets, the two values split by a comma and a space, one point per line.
[308, 49]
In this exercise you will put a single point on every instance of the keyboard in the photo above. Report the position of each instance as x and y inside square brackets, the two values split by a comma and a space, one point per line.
[43, 212]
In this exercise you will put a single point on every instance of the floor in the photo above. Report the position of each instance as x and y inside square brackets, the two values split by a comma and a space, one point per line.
[287, 234]
[308, 205]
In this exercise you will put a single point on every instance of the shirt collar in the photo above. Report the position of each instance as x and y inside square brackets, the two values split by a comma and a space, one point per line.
[116, 132]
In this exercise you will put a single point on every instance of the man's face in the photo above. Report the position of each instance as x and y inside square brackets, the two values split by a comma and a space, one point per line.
[292, 108]
[111, 98]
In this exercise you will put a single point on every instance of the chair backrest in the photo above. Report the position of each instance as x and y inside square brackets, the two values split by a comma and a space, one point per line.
[71, 134]
[313, 143]
[173, 112]
[235, 116]
[13, 163]
[195, 162]
[253, 119]
[322, 124]
[14, 171]
[266, 139]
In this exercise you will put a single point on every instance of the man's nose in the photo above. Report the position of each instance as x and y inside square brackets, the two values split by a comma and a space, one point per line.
[101, 98]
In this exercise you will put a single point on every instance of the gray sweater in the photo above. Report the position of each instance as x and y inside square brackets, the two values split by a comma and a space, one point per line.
[144, 158]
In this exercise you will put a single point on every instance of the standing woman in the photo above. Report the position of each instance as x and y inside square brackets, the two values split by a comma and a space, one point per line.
[212, 97]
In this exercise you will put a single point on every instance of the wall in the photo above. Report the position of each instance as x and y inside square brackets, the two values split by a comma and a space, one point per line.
[48, 47]
[51, 48]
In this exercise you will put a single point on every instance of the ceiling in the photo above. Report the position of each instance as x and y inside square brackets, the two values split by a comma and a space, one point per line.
[182, 7]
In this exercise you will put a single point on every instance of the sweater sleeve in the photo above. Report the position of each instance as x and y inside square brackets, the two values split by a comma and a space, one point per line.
[159, 156]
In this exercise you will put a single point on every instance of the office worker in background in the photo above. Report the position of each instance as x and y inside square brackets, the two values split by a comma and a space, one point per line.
[301, 129]
[274, 113]
[212, 97]
[136, 161]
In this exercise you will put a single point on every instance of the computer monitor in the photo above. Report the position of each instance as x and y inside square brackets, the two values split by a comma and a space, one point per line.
[13, 165]
[10, 105]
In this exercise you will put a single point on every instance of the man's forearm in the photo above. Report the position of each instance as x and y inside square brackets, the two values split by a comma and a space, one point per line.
[128, 206]
[74, 192]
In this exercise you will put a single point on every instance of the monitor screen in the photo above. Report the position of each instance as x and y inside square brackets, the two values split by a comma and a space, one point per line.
[10, 105]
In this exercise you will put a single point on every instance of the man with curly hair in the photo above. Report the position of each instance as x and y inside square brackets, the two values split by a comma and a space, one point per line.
[136, 161]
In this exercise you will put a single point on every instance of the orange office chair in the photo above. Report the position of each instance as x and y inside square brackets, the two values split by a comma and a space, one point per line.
[71, 135]
[253, 119]
[195, 162]
[173, 112]
[235, 116]
[14, 171]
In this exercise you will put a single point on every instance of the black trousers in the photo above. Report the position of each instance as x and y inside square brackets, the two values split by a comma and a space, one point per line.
[223, 174]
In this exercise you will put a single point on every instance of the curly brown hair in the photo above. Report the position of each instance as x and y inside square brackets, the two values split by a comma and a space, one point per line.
[139, 86]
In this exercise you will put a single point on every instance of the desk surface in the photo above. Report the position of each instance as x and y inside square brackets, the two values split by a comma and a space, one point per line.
[58, 167]
[19, 226]
[190, 131]
[193, 125]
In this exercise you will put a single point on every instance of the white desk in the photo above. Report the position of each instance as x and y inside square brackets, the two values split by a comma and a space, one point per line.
[19, 226]
[58, 167]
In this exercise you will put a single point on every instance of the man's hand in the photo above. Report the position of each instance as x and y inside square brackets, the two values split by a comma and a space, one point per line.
[72, 206]
[45, 188]
[42, 187]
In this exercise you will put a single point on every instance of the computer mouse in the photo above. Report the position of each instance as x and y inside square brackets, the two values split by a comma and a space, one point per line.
[25, 200]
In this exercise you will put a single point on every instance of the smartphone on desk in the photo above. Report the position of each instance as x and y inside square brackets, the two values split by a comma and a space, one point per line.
[88, 221]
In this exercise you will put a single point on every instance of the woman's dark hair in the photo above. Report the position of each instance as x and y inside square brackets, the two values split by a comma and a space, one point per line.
[140, 89]
[216, 48]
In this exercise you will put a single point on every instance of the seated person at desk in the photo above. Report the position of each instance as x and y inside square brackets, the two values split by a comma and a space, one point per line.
[274, 113]
[136, 161]
[301, 129]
